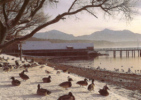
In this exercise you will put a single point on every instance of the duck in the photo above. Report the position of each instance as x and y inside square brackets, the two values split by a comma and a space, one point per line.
[17, 63]
[15, 82]
[23, 76]
[6, 69]
[1, 65]
[91, 86]
[41, 91]
[66, 84]
[58, 72]
[69, 78]
[47, 79]
[68, 96]
[26, 70]
[12, 59]
[82, 83]
[104, 91]
[48, 72]
[42, 66]
[23, 61]
[65, 70]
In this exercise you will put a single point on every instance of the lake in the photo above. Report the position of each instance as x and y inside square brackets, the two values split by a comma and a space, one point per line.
[110, 63]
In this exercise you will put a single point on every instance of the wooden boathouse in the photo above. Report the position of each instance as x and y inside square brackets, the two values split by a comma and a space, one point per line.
[46, 48]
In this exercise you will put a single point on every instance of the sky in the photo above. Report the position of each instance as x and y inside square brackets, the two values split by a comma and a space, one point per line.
[84, 23]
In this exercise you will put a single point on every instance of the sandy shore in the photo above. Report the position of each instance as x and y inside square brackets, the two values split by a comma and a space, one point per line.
[122, 80]
[128, 81]
[27, 89]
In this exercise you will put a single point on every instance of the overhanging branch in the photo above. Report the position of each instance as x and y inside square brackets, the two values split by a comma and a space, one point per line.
[37, 8]
[91, 13]
[4, 13]
[72, 5]
[21, 12]
[59, 17]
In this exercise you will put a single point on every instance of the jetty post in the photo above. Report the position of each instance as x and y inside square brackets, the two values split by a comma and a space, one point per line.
[132, 53]
[138, 53]
[126, 53]
[120, 53]
[114, 54]
[126, 50]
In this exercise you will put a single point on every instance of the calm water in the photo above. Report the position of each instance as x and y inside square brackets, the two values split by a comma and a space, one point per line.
[109, 63]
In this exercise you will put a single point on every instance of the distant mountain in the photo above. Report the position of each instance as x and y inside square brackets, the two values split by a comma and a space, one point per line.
[104, 35]
[110, 35]
[54, 34]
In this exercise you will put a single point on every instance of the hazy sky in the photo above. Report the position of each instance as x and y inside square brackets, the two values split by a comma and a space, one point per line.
[84, 23]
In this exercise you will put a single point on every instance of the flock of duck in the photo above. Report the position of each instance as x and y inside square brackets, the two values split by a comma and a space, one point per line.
[67, 84]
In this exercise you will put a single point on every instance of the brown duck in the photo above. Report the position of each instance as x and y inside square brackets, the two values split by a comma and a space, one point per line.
[47, 79]
[91, 86]
[41, 91]
[15, 82]
[48, 72]
[23, 76]
[69, 96]
[65, 70]
[6, 69]
[69, 78]
[82, 83]
[104, 91]
[26, 70]
[66, 84]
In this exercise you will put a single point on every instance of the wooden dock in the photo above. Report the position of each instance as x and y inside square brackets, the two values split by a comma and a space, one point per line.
[127, 50]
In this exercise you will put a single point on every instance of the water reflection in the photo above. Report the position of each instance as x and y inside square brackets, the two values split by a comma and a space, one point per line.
[124, 64]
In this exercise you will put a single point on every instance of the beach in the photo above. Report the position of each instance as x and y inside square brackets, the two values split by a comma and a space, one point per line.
[27, 90]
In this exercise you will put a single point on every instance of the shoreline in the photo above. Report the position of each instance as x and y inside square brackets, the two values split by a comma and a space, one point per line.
[113, 80]
[122, 80]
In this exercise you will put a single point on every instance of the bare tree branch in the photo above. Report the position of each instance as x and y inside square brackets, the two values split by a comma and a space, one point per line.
[37, 8]
[25, 15]
[91, 13]
[20, 12]
[4, 1]
[4, 13]
[72, 5]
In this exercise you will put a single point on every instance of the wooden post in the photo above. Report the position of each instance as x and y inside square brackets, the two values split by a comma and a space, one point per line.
[114, 53]
[20, 51]
[134, 53]
[120, 53]
[128, 53]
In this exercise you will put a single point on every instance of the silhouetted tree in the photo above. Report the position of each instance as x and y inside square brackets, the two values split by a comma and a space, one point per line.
[18, 17]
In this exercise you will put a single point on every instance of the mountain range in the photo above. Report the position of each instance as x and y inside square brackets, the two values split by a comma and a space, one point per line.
[104, 35]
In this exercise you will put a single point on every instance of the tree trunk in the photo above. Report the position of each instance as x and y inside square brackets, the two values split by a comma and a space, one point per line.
[0, 51]
[2, 33]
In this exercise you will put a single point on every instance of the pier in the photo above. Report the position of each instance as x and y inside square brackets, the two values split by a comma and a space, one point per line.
[120, 50]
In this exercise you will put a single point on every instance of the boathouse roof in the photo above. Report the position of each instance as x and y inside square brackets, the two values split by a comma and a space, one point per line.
[46, 45]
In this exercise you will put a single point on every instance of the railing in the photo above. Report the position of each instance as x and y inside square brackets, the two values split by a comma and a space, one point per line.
[118, 49]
